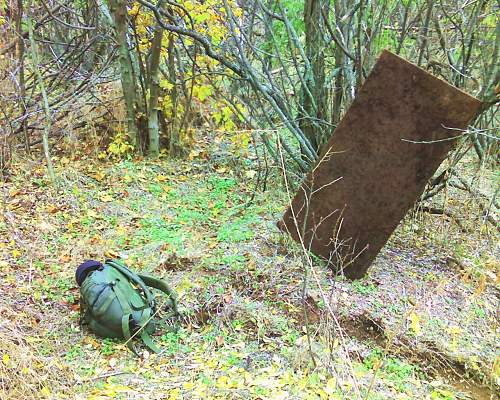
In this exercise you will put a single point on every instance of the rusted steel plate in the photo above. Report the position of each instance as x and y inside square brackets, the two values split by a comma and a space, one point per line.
[378, 163]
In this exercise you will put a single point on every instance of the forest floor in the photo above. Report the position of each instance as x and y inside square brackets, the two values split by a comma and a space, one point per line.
[422, 325]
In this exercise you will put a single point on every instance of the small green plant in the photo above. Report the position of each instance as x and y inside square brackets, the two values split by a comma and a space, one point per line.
[221, 185]
[206, 380]
[191, 217]
[238, 325]
[171, 342]
[119, 147]
[398, 370]
[108, 346]
[155, 189]
[478, 311]
[364, 288]
[232, 359]
[55, 289]
[261, 391]
[373, 358]
[441, 394]
[74, 353]
[394, 308]
[238, 230]
[392, 368]
[156, 230]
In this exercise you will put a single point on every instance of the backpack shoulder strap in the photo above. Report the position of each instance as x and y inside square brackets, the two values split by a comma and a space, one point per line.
[162, 286]
[120, 266]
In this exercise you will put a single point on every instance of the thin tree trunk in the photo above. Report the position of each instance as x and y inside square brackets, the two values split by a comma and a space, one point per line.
[103, 7]
[339, 67]
[359, 53]
[175, 148]
[425, 30]
[22, 81]
[315, 107]
[119, 12]
[154, 91]
[48, 117]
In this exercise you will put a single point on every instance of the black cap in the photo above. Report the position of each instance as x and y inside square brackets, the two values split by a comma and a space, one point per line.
[84, 269]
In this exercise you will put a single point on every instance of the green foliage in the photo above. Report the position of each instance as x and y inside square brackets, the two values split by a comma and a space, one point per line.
[156, 230]
[108, 346]
[119, 147]
[173, 342]
[220, 185]
[295, 14]
[364, 287]
[442, 394]
[478, 311]
[238, 230]
[74, 353]
[54, 289]
[392, 368]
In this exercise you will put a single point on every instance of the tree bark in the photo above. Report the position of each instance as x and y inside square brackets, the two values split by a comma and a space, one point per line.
[119, 12]
[175, 147]
[41, 84]
[314, 107]
[154, 91]
[22, 80]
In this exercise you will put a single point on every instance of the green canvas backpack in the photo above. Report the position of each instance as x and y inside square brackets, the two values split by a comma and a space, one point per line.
[118, 303]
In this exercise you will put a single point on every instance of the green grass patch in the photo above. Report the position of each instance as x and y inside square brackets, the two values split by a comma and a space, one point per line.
[238, 230]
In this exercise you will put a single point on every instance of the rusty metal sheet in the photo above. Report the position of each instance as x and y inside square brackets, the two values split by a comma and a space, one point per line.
[379, 163]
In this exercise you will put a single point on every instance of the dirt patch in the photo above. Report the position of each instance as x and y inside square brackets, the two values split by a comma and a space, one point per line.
[364, 328]
[434, 363]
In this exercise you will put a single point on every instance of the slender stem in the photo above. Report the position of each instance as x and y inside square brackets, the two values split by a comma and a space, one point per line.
[48, 117]
[430, 5]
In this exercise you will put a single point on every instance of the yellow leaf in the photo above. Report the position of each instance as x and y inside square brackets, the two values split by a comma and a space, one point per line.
[496, 367]
[222, 382]
[481, 286]
[189, 385]
[250, 174]
[107, 198]
[454, 330]
[45, 392]
[330, 386]
[414, 322]
[6, 359]
[16, 253]
[99, 176]
[174, 394]
[116, 388]
[111, 254]
[121, 230]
